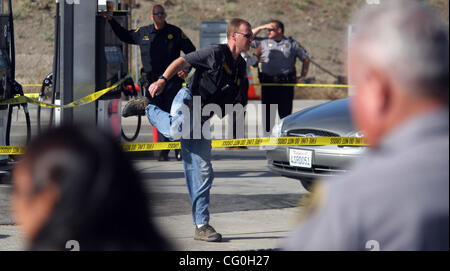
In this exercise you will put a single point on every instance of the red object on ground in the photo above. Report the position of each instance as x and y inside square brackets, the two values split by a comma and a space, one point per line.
[130, 87]
[155, 134]
[114, 118]
[251, 90]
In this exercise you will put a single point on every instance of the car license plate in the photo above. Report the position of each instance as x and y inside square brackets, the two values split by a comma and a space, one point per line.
[300, 158]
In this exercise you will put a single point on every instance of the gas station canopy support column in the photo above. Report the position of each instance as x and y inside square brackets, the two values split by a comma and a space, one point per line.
[77, 61]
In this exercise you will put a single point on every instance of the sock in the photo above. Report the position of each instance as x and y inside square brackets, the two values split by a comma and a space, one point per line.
[200, 225]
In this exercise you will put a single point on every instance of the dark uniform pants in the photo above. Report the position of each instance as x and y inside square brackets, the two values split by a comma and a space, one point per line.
[282, 96]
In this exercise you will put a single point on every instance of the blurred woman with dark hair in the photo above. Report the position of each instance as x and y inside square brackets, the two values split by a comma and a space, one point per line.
[75, 183]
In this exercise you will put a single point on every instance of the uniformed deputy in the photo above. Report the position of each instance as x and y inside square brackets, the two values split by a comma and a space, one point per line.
[278, 55]
[160, 44]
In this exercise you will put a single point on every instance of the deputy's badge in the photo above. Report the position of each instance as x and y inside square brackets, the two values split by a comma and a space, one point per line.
[227, 69]
[145, 38]
[170, 36]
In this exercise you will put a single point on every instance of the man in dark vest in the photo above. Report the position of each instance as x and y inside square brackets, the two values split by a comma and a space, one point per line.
[220, 80]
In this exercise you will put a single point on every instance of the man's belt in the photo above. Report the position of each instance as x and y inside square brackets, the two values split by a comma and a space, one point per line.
[279, 78]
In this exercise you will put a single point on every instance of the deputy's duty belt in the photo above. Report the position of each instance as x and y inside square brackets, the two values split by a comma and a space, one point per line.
[279, 78]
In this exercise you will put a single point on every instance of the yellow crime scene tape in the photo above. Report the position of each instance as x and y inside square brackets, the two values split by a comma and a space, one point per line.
[227, 143]
[12, 150]
[302, 85]
[266, 84]
[253, 142]
[32, 85]
[30, 98]
[32, 95]
[244, 142]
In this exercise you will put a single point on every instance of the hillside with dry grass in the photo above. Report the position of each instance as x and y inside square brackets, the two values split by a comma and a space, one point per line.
[320, 25]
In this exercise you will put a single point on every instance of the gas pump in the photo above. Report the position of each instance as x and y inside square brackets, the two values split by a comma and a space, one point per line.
[89, 57]
[112, 65]
[8, 85]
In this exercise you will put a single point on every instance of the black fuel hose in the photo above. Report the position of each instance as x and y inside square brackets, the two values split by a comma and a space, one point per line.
[136, 133]
[8, 125]
[18, 90]
[138, 128]
[48, 81]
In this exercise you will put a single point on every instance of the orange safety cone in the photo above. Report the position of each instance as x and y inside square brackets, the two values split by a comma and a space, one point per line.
[114, 119]
[251, 88]
[155, 134]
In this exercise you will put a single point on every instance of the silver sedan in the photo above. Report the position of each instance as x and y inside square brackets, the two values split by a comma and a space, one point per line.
[307, 163]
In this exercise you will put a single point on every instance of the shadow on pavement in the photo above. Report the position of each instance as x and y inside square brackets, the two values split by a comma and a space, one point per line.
[229, 239]
[169, 204]
[217, 174]
[216, 154]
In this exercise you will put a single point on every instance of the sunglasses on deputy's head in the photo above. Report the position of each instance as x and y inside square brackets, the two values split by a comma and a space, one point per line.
[159, 12]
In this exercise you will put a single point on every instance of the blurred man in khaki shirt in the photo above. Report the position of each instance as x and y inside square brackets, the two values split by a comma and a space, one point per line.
[397, 196]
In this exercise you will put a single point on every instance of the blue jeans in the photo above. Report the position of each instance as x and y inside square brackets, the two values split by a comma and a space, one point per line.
[196, 153]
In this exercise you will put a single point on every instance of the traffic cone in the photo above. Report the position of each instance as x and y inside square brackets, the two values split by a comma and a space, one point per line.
[114, 118]
[251, 88]
[155, 134]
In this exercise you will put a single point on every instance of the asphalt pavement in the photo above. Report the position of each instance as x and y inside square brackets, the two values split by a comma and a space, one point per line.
[253, 208]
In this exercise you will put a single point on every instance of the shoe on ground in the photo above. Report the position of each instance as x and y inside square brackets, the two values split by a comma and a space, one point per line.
[135, 107]
[207, 233]
[163, 157]
[178, 155]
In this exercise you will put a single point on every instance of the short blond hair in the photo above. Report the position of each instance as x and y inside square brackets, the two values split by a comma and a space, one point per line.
[234, 24]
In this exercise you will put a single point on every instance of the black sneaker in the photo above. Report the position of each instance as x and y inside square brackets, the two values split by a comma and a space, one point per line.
[178, 155]
[163, 156]
[207, 233]
[135, 107]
